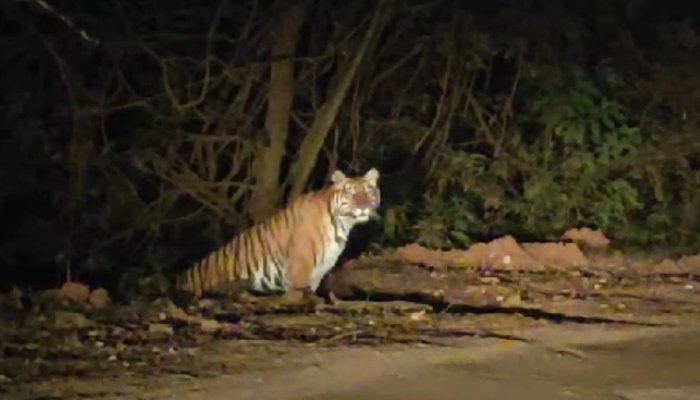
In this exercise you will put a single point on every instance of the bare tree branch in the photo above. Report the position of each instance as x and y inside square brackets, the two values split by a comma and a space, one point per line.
[313, 141]
[280, 96]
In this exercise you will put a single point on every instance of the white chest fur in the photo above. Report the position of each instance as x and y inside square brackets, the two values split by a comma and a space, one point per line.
[333, 250]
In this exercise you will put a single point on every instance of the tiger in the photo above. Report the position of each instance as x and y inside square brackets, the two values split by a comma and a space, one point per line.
[290, 252]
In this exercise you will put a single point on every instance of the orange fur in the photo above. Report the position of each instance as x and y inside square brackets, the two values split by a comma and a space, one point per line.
[293, 249]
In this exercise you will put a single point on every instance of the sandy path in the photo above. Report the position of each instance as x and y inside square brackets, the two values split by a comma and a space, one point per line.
[597, 362]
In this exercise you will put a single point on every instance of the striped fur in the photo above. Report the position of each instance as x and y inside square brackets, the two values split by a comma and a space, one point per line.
[295, 248]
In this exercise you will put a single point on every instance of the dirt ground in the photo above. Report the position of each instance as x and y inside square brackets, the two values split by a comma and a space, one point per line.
[577, 362]
[567, 361]
[502, 319]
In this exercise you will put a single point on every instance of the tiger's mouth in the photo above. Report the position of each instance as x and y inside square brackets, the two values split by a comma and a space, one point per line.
[362, 214]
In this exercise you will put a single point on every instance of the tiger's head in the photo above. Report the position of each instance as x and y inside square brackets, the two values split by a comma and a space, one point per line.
[356, 198]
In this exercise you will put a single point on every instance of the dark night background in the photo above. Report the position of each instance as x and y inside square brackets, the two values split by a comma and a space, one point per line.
[139, 135]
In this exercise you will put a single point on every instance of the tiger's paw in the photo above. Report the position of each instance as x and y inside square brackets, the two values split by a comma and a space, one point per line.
[293, 297]
[303, 297]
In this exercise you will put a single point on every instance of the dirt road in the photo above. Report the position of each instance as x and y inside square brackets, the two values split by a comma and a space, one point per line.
[571, 362]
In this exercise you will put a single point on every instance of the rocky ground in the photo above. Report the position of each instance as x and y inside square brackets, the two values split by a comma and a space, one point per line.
[413, 308]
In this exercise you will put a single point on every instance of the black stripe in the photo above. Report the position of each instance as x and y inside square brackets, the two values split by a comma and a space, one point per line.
[249, 255]
[279, 232]
[259, 256]
[236, 251]
[213, 270]
[264, 246]
[208, 270]
[262, 237]
[219, 269]
[200, 275]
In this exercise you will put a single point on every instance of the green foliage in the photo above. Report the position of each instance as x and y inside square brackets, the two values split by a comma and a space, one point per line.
[585, 134]
[566, 176]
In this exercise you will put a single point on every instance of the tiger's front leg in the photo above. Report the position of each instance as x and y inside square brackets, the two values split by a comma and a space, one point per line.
[299, 282]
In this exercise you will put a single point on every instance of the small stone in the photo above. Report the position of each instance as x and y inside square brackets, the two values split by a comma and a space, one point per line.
[99, 298]
[160, 331]
[75, 291]
[417, 316]
[210, 326]
[176, 313]
[164, 310]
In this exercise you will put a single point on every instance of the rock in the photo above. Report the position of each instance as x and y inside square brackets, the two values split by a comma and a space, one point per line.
[210, 326]
[99, 298]
[165, 310]
[503, 253]
[419, 255]
[557, 255]
[71, 320]
[690, 264]
[75, 291]
[175, 313]
[160, 331]
[587, 238]
[665, 267]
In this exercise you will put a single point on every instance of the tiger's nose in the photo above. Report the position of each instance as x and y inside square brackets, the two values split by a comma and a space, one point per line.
[366, 202]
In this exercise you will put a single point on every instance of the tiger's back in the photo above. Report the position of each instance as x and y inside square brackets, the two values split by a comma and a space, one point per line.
[295, 248]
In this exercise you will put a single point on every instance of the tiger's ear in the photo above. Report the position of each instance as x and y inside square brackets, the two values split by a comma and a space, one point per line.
[338, 176]
[372, 175]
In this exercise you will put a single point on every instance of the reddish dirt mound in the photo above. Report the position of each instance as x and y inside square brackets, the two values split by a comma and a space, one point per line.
[557, 255]
[690, 264]
[587, 238]
[503, 254]
[506, 254]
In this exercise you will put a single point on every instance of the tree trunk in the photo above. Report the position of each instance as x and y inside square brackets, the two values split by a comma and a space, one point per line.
[267, 192]
[313, 141]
